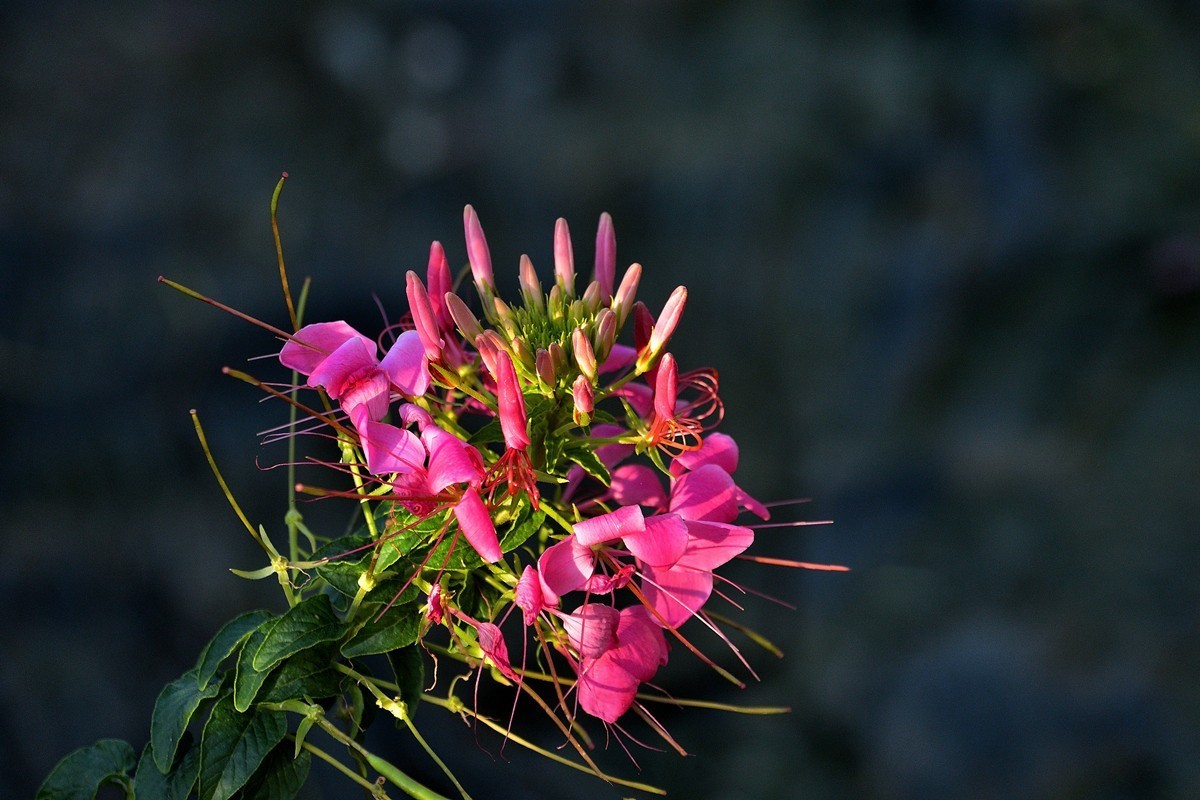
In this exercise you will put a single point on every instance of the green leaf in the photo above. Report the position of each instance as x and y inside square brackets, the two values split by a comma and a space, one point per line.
[226, 642]
[151, 784]
[248, 680]
[464, 556]
[306, 674]
[233, 745]
[397, 627]
[348, 561]
[587, 459]
[521, 530]
[306, 624]
[280, 776]
[409, 669]
[81, 774]
[173, 711]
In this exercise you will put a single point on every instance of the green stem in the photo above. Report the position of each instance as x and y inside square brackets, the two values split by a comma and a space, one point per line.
[375, 790]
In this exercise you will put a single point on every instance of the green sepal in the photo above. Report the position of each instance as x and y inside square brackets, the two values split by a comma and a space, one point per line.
[305, 624]
[234, 745]
[81, 774]
[227, 640]
[176, 784]
[173, 711]
[280, 776]
[397, 627]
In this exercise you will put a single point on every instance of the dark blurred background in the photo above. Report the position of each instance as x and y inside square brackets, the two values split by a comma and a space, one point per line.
[946, 256]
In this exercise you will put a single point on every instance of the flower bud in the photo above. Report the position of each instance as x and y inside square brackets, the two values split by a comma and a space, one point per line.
[522, 353]
[437, 276]
[464, 320]
[422, 315]
[626, 293]
[581, 393]
[488, 348]
[545, 367]
[643, 324]
[591, 297]
[531, 289]
[510, 403]
[558, 357]
[504, 316]
[564, 259]
[478, 254]
[585, 357]
[666, 387]
[606, 334]
[668, 319]
[554, 302]
[606, 256]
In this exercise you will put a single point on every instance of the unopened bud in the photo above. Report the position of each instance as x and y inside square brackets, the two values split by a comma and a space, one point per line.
[504, 316]
[545, 367]
[665, 387]
[606, 334]
[606, 256]
[663, 329]
[530, 287]
[585, 357]
[554, 302]
[478, 254]
[564, 259]
[464, 320]
[437, 277]
[581, 393]
[643, 324]
[591, 297]
[422, 314]
[488, 348]
[558, 357]
[521, 352]
[627, 293]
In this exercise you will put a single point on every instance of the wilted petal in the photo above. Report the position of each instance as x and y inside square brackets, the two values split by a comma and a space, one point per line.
[707, 493]
[390, 449]
[406, 365]
[564, 567]
[677, 592]
[529, 595]
[491, 642]
[661, 543]
[450, 459]
[312, 344]
[613, 525]
[607, 584]
[591, 628]
[476, 523]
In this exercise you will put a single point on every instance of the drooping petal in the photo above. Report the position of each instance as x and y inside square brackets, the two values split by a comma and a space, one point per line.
[600, 583]
[591, 628]
[707, 493]
[529, 595]
[491, 642]
[312, 344]
[606, 690]
[390, 449]
[677, 592]
[410, 414]
[621, 357]
[637, 484]
[406, 364]
[564, 567]
[661, 543]
[476, 524]
[641, 646]
[450, 459]
[711, 544]
[608, 684]
[613, 525]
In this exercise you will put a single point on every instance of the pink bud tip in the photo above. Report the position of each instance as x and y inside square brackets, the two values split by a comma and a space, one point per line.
[606, 256]
[564, 259]
[477, 249]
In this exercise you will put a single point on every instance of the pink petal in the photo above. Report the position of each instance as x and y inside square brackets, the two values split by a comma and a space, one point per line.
[476, 523]
[491, 642]
[711, 544]
[607, 584]
[621, 357]
[665, 387]
[312, 344]
[354, 356]
[529, 595]
[613, 525]
[707, 493]
[390, 449]
[750, 504]
[564, 567]
[406, 365]
[677, 592]
[365, 394]
[661, 543]
[605, 689]
[450, 460]
[641, 646]
[717, 448]
[637, 484]
[410, 414]
[591, 628]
